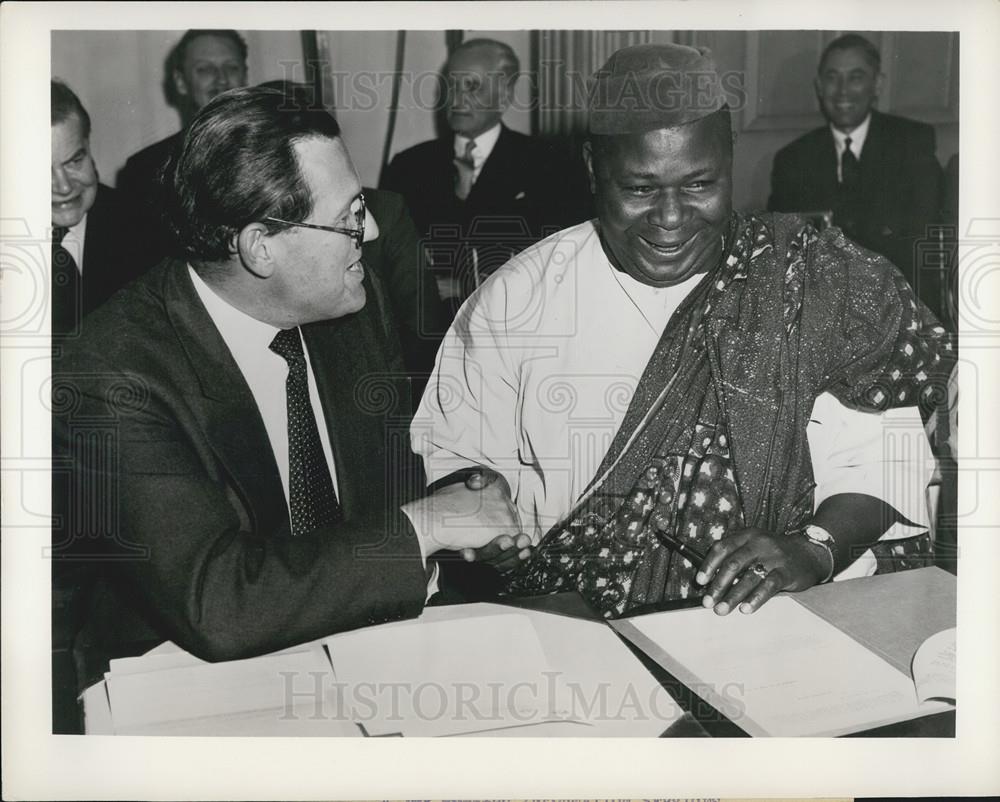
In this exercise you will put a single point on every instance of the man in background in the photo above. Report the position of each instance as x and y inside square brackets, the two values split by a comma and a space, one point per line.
[484, 192]
[203, 64]
[94, 247]
[876, 172]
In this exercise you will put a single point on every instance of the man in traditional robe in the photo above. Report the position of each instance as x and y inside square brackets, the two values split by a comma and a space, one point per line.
[678, 395]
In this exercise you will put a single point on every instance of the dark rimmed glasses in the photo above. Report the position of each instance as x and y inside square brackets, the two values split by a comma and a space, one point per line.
[357, 233]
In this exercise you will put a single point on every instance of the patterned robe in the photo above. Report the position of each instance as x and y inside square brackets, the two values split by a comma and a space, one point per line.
[714, 438]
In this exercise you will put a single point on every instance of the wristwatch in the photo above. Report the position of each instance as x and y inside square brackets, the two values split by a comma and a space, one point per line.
[817, 535]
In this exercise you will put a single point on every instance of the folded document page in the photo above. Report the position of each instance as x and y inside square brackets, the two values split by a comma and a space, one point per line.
[492, 670]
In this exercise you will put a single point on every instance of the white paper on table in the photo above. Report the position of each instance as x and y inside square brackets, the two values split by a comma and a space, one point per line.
[934, 667]
[604, 690]
[286, 693]
[433, 678]
[782, 671]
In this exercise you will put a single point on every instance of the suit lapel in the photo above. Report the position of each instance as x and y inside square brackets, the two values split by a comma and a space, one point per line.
[333, 370]
[98, 261]
[226, 407]
[494, 178]
[827, 167]
[873, 155]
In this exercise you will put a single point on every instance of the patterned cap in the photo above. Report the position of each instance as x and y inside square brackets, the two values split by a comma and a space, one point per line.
[645, 87]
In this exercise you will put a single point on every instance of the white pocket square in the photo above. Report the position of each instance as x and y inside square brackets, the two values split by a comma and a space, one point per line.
[519, 195]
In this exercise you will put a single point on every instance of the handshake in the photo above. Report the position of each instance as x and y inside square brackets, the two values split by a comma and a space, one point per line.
[476, 517]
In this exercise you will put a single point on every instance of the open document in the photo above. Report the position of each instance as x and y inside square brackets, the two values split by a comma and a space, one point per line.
[782, 671]
[486, 669]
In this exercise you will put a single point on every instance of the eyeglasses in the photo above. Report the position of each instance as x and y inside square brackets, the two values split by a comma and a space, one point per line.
[357, 233]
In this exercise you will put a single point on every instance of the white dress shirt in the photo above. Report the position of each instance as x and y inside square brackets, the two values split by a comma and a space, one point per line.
[485, 143]
[73, 242]
[857, 136]
[248, 340]
[265, 373]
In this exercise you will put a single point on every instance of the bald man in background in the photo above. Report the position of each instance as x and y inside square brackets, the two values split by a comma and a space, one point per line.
[483, 192]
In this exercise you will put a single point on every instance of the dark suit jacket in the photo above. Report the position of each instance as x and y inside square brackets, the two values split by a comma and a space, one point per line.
[110, 248]
[526, 190]
[396, 257]
[140, 186]
[174, 493]
[900, 193]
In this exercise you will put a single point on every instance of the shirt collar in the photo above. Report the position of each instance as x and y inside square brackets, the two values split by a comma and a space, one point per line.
[74, 239]
[485, 143]
[858, 137]
[246, 336]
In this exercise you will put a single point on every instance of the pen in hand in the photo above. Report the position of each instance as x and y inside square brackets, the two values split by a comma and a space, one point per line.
[689, 553]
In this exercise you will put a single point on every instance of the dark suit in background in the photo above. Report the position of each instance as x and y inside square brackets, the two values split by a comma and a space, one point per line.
[527, 189]
[160, 442]
[140, 186]
[898, 198]
[396, 257]
[112, 247]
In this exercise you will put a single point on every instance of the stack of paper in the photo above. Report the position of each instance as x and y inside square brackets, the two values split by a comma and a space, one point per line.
[171, 692]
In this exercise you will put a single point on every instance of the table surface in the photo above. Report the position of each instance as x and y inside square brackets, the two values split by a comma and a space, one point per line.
[700, 718]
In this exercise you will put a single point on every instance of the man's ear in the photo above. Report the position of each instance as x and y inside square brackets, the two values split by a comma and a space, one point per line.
[588, 159]
[879, 80]
[180, 85]
[257, 251]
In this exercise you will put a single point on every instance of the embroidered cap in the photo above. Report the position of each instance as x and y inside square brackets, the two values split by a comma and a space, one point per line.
[645, 87]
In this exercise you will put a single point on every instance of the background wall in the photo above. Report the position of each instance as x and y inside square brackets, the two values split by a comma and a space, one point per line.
[360, 88]
[119, 75]
[921, 72]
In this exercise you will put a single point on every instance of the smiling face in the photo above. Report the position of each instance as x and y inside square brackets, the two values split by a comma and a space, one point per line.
[847, 86]
[664, 199]
[319, 273]
[212, 65]
[74, 176]
[478, 91]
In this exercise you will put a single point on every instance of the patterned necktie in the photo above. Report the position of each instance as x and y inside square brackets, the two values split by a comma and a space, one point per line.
[312, 499]
[67, 288]
[465, 167]
[850, 169]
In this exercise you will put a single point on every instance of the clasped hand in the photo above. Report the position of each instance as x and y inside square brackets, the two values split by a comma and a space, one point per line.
[477, 518]
[747, 568]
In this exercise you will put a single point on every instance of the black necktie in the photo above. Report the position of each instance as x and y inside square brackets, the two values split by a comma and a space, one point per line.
[67, 297]
[312, 499]
[850, 169]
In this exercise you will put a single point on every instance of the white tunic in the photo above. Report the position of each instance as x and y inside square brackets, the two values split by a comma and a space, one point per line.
[535, 376]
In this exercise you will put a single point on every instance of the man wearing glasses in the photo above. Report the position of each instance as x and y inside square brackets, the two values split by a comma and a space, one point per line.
[255, 487]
